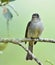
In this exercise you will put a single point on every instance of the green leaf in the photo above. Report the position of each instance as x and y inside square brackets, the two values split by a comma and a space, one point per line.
[3, 46]
[48, 61]
[2, 1]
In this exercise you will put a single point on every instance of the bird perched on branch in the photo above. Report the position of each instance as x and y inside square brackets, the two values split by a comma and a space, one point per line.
[33, 30]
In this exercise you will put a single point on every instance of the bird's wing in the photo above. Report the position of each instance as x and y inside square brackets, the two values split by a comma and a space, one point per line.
[27, 29]
[26, 32]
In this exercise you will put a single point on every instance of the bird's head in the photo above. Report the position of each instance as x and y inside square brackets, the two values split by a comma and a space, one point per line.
[35, 15]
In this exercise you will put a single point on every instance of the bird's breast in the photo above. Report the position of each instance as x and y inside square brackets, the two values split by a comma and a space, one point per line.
[35, 29]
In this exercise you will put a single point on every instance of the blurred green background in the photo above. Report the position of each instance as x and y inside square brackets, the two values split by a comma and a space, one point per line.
[14, 54]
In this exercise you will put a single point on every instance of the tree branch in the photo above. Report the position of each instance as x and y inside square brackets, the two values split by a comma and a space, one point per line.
[18, 42]
[38, 40]
[27, 40]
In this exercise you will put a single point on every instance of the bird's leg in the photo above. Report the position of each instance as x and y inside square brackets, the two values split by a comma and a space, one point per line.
[36, 41]
[35, 38]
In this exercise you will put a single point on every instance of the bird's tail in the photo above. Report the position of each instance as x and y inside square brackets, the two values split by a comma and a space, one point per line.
[29, 57]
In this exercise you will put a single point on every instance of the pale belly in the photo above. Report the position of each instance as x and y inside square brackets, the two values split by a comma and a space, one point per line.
[35, 30]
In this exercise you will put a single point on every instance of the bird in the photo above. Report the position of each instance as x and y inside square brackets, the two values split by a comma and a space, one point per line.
[33, 30]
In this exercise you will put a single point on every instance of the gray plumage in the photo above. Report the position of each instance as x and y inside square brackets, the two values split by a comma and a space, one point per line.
[33, 30]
